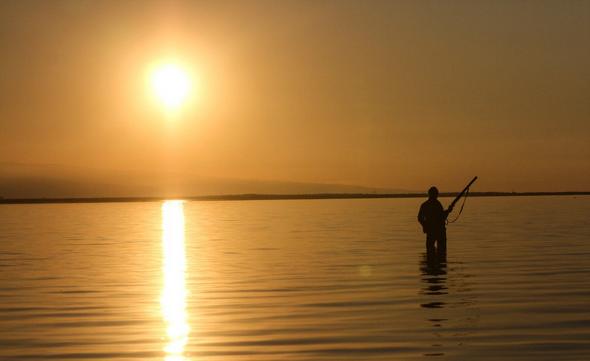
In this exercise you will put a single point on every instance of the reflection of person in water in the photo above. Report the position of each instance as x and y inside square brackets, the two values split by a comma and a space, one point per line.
[434, 277]
[432, 217]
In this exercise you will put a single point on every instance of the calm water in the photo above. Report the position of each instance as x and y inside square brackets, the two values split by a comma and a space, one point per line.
[294, 280]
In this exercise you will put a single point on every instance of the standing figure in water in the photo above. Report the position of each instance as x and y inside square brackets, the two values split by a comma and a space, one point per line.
[432, 217]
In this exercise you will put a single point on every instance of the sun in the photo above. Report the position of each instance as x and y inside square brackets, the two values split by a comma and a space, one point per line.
[171, 85]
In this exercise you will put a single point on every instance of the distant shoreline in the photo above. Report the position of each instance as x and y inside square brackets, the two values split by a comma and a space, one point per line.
[261, 197]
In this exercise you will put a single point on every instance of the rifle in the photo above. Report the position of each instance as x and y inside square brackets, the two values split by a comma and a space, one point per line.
[461, 195]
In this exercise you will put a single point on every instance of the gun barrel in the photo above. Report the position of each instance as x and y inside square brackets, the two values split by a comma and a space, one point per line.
[462, 192]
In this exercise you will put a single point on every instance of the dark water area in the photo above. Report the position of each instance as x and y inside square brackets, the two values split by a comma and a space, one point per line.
[294, 280]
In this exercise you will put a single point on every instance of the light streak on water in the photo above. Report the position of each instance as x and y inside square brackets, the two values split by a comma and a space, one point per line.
[174, 292]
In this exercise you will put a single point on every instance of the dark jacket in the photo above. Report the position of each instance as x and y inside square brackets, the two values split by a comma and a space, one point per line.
[432, 216]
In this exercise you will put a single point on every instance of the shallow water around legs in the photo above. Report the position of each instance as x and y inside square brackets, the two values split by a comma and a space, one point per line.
[294, 280]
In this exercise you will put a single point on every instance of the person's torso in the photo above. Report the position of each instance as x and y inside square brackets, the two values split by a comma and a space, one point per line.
[434, 214]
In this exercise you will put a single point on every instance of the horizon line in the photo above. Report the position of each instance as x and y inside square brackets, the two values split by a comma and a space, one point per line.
[264, 196]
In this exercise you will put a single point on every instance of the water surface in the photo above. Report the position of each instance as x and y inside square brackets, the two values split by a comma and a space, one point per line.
[294, 280]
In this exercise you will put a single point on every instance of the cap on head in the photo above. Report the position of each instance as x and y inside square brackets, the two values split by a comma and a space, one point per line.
[433, 192]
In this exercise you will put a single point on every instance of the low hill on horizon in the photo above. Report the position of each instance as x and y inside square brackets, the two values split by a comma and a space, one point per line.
[51, 181]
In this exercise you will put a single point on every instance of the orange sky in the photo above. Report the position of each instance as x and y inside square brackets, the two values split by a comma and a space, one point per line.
[383, 94]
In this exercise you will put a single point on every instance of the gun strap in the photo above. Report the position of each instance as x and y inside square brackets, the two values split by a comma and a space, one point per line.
[460, 210]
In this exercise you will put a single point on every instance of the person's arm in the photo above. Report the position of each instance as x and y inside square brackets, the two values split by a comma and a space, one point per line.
[448, 211]
[422, 218]
[421, 215]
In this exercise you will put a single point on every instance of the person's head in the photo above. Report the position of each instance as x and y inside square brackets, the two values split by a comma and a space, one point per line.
[433, 193]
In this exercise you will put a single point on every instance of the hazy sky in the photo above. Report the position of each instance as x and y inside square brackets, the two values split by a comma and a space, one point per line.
[398, 94]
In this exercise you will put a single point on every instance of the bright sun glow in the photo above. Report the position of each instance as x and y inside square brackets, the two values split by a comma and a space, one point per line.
[174, 294]
[171, 85]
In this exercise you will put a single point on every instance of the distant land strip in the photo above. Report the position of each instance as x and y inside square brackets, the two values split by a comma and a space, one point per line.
[264, 197]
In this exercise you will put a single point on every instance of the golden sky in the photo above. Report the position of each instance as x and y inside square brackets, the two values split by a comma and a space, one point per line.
[388, 94]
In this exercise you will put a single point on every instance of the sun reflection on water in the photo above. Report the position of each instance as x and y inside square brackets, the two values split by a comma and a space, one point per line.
[174, 293]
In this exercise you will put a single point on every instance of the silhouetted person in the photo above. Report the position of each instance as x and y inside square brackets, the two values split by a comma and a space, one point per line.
[432, 217]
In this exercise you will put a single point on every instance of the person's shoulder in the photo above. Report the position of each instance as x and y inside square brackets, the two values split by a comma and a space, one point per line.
[427, 204]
